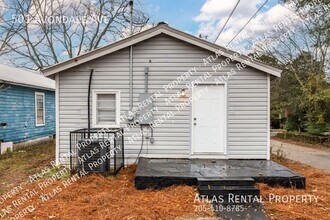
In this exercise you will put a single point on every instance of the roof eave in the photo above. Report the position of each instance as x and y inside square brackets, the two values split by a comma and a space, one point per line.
[28, 85]
[215, 48]
[146, 35]
[101, 51]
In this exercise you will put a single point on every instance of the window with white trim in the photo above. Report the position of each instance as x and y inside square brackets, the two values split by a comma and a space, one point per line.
[106, 108]
[40, 108]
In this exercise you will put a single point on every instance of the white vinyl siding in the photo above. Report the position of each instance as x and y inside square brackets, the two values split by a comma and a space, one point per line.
[167, 58]
[40, 108]
[106, 108]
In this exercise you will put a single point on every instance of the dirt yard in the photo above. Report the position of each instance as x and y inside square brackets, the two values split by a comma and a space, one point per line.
[58, 196]
[15, 167]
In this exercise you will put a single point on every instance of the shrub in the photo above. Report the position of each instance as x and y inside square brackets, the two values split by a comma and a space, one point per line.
[305, 137]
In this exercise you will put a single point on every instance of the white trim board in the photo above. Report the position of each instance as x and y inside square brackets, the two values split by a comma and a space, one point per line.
[268, 117]
[94, 102]
[43, 108]
[57, 112]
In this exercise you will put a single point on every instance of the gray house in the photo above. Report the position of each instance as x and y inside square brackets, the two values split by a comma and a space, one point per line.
[175, 95]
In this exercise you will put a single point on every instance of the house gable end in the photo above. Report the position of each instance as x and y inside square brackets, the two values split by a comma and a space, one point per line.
[161, 29]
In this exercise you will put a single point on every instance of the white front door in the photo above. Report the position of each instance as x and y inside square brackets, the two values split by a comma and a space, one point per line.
[209, 119]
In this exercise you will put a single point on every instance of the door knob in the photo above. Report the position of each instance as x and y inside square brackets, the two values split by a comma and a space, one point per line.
[195, 123]
[194, 119]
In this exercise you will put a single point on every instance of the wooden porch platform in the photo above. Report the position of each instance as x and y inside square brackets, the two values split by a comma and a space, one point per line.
[159, 173]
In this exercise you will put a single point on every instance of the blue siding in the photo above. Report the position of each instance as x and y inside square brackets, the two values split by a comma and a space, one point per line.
[17, 109]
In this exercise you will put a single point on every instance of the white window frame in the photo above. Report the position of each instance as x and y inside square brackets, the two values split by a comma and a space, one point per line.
[35, 107]
[94, 116]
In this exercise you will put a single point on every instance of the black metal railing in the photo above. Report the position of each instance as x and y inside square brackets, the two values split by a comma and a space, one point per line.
[97, 150]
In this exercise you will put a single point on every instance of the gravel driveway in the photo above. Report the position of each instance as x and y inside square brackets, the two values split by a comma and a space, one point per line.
[313, 157]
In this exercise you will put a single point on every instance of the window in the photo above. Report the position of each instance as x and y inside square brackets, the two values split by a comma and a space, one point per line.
[40, 108]
[106, 108]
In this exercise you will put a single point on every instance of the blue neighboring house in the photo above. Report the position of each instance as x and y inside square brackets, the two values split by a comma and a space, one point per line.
[27, 105]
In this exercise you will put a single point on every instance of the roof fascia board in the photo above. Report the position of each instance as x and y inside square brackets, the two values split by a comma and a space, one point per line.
[151, 33]
[259, 66]
[27, 85]
[100, 52]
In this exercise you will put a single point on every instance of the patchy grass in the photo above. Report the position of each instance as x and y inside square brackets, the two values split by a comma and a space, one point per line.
[17, 166]
[317, 185]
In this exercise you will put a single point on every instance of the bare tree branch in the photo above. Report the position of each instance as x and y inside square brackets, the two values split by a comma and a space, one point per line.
[45, 32]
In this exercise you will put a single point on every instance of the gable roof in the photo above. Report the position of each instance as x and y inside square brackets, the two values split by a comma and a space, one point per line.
[154, 31]
[21, 77]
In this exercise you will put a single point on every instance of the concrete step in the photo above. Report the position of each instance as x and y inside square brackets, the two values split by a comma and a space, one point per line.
[227, 181]
[226, 190]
